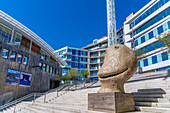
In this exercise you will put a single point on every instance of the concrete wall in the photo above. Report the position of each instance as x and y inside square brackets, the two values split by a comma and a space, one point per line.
[40, 79]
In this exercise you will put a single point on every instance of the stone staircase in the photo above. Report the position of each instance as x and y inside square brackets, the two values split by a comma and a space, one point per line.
[151, 91]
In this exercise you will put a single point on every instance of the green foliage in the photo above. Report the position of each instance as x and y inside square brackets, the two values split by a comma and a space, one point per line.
[140, 53]
[64, 78]
[165, 41]
[73, 73]
[85, 74]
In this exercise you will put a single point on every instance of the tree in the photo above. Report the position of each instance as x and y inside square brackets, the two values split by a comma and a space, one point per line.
[140, 53]
[74, 73]
[64, 78]
[164, 41]
[85, 74]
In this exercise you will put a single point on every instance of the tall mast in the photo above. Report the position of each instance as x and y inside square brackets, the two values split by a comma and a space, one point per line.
[111, 22]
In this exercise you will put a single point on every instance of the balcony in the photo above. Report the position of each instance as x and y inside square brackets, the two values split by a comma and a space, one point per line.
[93, 62]
[94, 68]
[68, 66]
[68, 59]
[67, 53]
[104, 45]
[94, 56]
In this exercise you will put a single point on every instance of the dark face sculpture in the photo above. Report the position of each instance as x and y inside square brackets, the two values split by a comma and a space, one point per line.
[119, 65]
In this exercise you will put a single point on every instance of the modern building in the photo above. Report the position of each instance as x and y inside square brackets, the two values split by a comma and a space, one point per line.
[27, 62]
[74, 57]
[142, 30]
[96, 52]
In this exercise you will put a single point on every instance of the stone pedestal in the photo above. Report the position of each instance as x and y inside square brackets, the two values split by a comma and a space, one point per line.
[115, 102]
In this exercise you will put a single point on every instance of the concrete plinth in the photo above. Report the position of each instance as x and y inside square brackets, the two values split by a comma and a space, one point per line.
[111, 102]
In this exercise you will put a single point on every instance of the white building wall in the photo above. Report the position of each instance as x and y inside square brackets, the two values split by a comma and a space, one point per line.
[127, 32]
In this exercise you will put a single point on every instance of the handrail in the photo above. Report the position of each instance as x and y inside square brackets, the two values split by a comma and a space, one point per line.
[33, 94]
[16, 101]
[24, 98]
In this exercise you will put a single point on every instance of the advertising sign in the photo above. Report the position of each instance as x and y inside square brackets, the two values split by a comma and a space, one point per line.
[12, 77]
[25, 79]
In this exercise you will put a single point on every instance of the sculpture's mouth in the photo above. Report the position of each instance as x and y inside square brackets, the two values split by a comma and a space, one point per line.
[109, 76]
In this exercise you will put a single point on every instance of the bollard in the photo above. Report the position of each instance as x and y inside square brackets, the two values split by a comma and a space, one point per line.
[14, 108]
[57, 92]
[34, 97]
[45, 98]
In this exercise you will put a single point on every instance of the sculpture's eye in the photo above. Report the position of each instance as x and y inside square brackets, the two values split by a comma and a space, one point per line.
[116, 47]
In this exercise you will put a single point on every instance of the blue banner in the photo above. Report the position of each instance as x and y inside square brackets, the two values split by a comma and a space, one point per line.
[25, 79]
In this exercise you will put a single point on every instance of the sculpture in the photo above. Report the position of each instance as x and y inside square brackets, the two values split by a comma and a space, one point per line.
[120, 63]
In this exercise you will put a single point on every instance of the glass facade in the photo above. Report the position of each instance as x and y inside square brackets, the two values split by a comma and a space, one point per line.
[75, 58]
[6, 34]
[148, 12]
[154, 59]
[152, 34]
[157, 18]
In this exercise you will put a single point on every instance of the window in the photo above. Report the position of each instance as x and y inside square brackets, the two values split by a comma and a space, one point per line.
[19, 58]
[25, 60]
[165, 27]
[142, 39]
[145, 62]
[151, 35]
[160, 30]
[44, 67]
[139, 63]
[51, 69]
[146, 37]
[47, 68]
[136, 43]
[12, 56]
[5, 53]
[40, 65]
[74, 52]
[154, 59]
[159, 58]
[17, 40]
[139, 41]
[149, 61]
[164, 56]
[155, 32]
[169, 24]
[73, 58]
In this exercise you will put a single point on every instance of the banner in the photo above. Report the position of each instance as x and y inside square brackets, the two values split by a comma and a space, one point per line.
[12, 77]
[25, 79]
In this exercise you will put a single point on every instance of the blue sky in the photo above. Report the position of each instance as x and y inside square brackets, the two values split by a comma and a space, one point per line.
[72, 23]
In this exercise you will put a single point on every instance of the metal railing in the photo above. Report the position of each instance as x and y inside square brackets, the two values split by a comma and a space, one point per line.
[67, 87]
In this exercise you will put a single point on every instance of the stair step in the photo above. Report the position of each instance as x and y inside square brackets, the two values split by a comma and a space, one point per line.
[139, 95]
[153, 92]
[69, 108]
[47, 109]
[161, 100]
[151, 104]
[153, 109]
[136, 112]
[31, 110]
